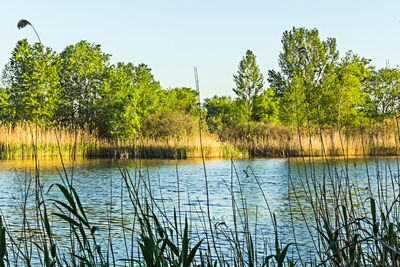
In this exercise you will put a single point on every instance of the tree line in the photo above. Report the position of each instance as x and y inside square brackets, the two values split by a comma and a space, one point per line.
[313, 88]
[80, 87]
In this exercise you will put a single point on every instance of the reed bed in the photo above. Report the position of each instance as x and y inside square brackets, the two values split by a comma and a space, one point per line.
[188, 147]
[379, 139]
[271, 140]
[18, 142]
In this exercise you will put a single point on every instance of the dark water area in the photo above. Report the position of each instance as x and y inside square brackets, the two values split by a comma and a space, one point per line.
[180, 185]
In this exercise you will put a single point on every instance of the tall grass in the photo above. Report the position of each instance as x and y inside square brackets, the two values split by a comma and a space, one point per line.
[187, 147]
[267, 140]
[271, 140]
[18, 142]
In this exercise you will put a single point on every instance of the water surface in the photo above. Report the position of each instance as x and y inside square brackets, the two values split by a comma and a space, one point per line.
[181, 185]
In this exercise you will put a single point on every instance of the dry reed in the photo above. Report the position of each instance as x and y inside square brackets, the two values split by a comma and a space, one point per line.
[378, 139]
[18, 142]
[269, 141]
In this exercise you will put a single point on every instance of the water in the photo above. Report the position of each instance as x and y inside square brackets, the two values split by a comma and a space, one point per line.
[99, 183]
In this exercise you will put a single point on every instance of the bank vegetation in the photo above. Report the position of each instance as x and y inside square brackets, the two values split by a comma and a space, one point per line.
[77, 98]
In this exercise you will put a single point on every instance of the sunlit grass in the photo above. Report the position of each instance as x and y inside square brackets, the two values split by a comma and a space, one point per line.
[18, 142]
[269, 140]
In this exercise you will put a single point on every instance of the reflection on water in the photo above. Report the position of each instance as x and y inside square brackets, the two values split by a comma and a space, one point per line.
[99, 183]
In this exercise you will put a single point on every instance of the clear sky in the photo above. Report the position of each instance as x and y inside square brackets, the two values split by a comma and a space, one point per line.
[172, 36]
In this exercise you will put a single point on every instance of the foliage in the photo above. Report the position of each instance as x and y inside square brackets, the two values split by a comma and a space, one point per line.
[249, 82]
[266, 106]
[83, 69]
[384, 93]
[117, 105]
[349, 98]
[147, 89]
[168, 125]
[180, 99]
[7, 112]
[305, 80]
[80, 88]
[219, 110]
[31, 78]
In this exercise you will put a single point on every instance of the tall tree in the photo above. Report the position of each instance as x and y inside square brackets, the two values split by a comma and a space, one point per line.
[348, 97]
[32, 91]
[83, 70]
[117, 106]
[249, 82]
[305, 79]
[384, 93]
[148, 90]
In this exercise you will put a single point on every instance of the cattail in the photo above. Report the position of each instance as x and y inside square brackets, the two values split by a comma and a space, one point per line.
[22, 23]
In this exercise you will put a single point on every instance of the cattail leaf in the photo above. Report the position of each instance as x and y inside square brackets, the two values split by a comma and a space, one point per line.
[68, 219]
[282, 256]
[78, 201]
[74, 212]
[53, 250]
[173, 248]
[193, 252]
[185, 244]
[46, 222]
[67, 195]
[3, 248]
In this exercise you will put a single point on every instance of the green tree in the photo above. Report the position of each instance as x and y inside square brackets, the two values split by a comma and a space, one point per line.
[384, 93]
[180, 99]
[249, 82]
[117, 105]
[305, 78]
[266, 106]
[147, 89]
[32, 91]
[219, 112]
[6, 110]
[349, 97]
[83, 70]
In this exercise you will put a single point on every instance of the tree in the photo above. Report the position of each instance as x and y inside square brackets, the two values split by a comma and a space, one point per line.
[349, 97]
[83, 70]
[266, 106]
[180, 99]
[384, 93]
[6, 110]
[147, 89]
[249, 82]
[305, 79]
[117, 107]
[219, 112]
[32, 91]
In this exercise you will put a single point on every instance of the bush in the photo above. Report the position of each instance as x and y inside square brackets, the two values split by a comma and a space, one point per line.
[168, 125]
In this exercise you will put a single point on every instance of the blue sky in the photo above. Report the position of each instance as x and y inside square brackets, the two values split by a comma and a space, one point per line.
[173, 36]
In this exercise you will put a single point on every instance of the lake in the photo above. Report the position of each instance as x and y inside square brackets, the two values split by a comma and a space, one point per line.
[180, 185]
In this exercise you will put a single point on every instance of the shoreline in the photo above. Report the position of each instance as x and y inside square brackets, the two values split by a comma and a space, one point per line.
[18, 143]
